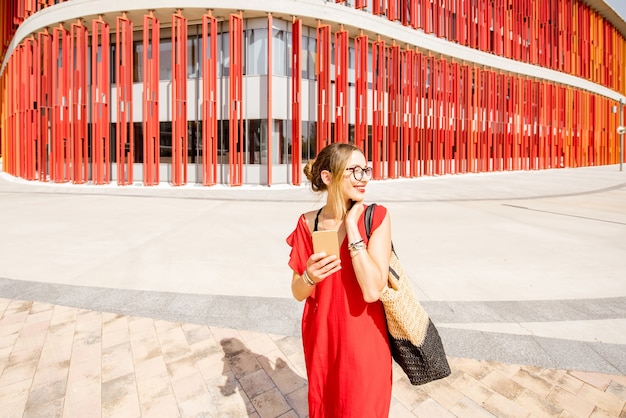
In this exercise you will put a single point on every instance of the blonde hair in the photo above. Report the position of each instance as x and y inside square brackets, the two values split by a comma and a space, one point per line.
[334, 158]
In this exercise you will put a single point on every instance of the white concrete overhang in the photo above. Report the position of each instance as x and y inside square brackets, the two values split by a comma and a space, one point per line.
[310, 11]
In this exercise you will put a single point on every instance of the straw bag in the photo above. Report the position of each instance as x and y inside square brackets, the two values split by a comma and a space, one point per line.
[414, 340]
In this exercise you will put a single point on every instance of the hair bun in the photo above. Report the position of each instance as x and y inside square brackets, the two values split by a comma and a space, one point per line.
[308, 170]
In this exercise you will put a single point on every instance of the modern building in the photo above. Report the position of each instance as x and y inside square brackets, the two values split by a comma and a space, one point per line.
[245, 91]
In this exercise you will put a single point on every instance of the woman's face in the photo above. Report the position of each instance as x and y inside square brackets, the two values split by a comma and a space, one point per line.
[356, 177]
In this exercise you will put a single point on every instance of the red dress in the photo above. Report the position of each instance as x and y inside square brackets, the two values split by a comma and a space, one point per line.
[346, 349]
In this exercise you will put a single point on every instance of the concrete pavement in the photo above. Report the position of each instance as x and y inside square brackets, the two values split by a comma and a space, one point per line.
[133, 301]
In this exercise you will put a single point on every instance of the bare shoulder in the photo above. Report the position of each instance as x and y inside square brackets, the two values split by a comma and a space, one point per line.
[310, 219]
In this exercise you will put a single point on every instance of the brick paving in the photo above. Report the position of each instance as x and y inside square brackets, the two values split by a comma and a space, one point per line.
[58, 361]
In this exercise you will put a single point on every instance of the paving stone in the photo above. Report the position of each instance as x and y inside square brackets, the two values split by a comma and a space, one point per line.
[617, 389]
[431, 408]
[472, 388]
[468, 408]
[298, 400]
[533, 382]
[256, 383]
[537, 405]
[601, 399]
[598, 380]
[271, 404]
[503, 385]
[503, 407]
[570, 402]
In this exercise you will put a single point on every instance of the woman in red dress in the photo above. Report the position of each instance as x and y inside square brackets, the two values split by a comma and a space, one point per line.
[344, 333]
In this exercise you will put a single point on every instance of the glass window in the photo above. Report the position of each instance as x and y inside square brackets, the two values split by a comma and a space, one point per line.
[193, 55]
[308, 141]
[194, 137]
[165, 142]
[112, 66]
[138, 58]
[351, 66]
[282, 132]
[311, 55]
[223, 51]
[279, 52]
[256, 52]
[165, 60]
[304, 57]
[256, 141]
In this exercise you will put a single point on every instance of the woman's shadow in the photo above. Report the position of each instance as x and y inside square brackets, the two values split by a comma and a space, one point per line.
[262, 383]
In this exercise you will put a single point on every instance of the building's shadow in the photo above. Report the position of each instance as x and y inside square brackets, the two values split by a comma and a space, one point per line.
[262, 384]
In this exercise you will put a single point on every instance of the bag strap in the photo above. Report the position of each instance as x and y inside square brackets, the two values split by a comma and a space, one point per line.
[369, 215]
[316, 217]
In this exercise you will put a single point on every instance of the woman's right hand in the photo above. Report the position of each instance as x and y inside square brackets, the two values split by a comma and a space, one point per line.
[320, 266]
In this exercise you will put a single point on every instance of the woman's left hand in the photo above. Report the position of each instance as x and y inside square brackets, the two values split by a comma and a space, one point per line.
[354, 213]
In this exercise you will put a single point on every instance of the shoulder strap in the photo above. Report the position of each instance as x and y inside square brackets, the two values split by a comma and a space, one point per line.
[316, 217]
[369, 215]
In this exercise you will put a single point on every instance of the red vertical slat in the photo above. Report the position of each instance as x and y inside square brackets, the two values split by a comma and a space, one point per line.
[483, 25]
[446, 143]
[420, 113]
[427, 18]
[341, 86]
[464, 108]
[403, 12]
[296, 103]
[100, 98]
[437, 124]
[436, 17]
[407, 110]
[361, 45]
[551, 145]
[44, 100]
[413, 12]
[150, 76]
[236, 101]
[473, 26]
[455, 125]
[394, 91]
[481, 87]
[414, 113]
[392, 13]
[324, 104]
[427, 110]
[179, 99]
[209, 100]
[79, 146]
[124, 128]
[20, 109]
[378, 7]
[61, 93]
[379, 90]
[496, 112]
[9, 151]
[30, 111]
[270, 121]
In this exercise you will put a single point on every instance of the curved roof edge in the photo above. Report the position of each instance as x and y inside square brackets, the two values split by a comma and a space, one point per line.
[609, 14]
[312, 11]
